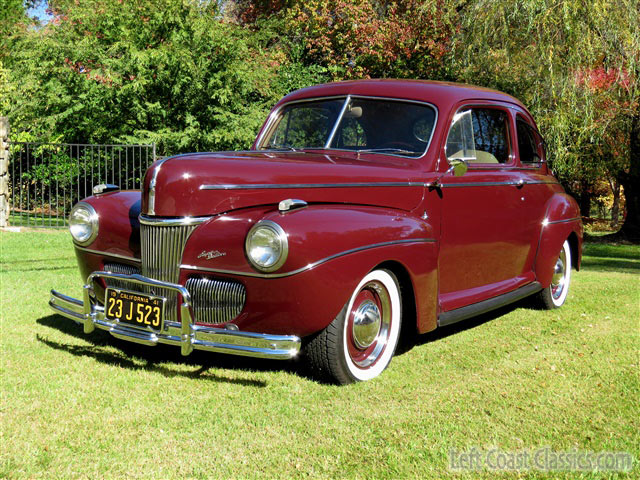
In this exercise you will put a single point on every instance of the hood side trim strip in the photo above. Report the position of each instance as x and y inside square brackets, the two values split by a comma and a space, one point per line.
[311, 265]
[260, 186]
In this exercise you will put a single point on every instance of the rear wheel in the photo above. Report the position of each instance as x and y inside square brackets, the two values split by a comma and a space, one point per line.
[555, 294]
[359, 344]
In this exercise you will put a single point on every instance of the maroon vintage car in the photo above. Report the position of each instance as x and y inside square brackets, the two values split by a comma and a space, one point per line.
[361, 207]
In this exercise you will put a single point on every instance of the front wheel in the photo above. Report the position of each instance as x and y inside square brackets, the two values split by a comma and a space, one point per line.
[359, 344]
[555, 294]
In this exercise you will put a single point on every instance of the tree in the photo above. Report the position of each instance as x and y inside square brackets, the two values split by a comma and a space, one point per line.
[576, 64]
[14, 23]
[13, 19]
[167, 71]
[361, 38]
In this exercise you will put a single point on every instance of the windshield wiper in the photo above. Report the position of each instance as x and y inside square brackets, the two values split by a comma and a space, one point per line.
[288, 148]
[386, 150]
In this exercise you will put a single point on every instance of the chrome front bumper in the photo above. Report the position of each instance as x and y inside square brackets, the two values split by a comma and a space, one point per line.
[186, 334]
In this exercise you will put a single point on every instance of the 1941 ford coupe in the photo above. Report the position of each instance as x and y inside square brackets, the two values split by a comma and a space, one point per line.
[362, 206]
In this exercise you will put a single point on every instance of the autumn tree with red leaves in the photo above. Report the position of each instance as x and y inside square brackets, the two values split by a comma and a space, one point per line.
[362, 38]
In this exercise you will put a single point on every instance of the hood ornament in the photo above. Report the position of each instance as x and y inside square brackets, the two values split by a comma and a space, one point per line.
[211, 254]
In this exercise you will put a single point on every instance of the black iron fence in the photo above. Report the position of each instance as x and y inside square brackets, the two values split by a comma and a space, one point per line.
[47, 179]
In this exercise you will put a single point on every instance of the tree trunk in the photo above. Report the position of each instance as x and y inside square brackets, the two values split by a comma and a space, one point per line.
[584, 199]
[615, 207]
[631, 183]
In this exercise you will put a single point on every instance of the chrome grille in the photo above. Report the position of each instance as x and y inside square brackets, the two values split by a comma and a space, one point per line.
[121, 268]
[216, 301]
[162, 247]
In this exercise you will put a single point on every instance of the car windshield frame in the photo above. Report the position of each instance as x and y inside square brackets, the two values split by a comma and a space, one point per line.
[276, 116]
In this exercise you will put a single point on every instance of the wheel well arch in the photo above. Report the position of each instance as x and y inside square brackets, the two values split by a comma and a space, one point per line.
[407, 296]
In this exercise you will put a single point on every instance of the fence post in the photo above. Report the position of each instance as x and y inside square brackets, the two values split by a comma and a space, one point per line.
[4, 171]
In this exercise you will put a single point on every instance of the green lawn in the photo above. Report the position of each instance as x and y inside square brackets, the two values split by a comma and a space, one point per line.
[35, 220]
[96, 407]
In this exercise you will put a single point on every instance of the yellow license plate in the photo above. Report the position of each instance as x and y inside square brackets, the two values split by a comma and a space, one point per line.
[135, 309]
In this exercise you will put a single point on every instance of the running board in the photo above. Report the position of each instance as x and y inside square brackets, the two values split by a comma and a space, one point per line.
[453, 316]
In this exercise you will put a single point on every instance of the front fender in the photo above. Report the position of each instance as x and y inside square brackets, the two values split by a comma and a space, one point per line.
[331, 248]
[118, 231]
[315, 234]
[118, 225]
[562, 221]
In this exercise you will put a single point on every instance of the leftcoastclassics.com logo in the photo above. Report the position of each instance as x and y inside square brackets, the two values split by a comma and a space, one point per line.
[541, 459]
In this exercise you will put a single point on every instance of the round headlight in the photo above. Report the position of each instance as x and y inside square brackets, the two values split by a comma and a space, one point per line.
[267, 246]
[83, 223]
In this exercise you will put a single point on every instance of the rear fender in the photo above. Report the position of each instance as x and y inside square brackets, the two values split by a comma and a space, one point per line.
[562, 222]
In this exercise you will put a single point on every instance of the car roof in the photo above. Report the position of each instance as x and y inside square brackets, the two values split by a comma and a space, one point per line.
[440, 94]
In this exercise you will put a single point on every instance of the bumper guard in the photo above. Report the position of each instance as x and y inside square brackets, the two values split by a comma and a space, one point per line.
[186, 334]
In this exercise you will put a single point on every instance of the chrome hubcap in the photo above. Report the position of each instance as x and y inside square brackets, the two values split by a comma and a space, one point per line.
[559, 275]
[369, 325]
[366, 324]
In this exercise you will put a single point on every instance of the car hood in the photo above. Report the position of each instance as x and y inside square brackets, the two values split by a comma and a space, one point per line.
[203, 184]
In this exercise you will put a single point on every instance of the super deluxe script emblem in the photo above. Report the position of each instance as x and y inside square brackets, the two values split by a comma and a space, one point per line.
[211, 254]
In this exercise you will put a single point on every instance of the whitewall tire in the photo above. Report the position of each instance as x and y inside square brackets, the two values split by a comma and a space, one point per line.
[556, 293]
[360, 342]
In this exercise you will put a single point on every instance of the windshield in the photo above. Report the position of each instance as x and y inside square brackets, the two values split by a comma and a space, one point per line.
[352, 123]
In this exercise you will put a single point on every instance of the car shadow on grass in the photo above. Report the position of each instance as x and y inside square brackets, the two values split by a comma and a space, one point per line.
[140, 357]
[605, 264]
[607, 250]
[408, 342]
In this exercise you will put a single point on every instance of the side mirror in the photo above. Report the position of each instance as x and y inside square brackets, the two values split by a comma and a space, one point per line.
[458, 166]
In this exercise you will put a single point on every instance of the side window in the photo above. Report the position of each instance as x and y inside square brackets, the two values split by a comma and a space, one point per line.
[479, 135]
[529, 143]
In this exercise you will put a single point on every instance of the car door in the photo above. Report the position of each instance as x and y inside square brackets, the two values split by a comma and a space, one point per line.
[537, 185]
[484, 241]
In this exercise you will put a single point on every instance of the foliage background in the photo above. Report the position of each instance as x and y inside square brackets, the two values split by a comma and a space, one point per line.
[202, 74]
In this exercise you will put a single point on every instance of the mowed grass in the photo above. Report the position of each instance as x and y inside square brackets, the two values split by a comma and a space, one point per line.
[520, 378]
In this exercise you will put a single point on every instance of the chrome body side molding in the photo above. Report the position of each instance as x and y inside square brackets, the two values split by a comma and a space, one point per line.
[517, 183]
[453, 316]
[267, 186]
[565, 220]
